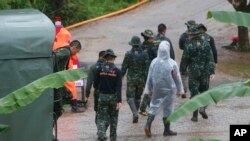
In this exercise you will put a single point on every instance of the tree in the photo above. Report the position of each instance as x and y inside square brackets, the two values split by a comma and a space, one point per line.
[243, 6]
[59, 5]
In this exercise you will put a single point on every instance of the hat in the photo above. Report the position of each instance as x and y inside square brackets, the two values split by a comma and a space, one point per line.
[148, 33]
[202, 26]
[194, 30]
[109, 52]
[190, 23]
[58, 21]
[135, 41]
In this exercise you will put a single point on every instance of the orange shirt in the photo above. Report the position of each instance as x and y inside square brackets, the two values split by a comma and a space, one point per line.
[62, 38]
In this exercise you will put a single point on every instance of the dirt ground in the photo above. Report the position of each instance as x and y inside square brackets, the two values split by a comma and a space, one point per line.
[116, 32]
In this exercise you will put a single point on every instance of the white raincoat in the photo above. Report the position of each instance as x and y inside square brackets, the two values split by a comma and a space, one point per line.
[163, 81]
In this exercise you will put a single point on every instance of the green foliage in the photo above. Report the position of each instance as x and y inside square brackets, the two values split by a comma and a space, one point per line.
[29, 93]
[3, 128]
[71, 11]
[238, 18]
[212, 96]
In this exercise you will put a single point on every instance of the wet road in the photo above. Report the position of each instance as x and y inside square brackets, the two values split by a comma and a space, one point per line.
[115, 33]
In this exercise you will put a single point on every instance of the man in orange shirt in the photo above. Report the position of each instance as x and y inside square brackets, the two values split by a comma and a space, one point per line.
[62, 39]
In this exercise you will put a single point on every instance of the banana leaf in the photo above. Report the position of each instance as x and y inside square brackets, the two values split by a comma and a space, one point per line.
[27, 94]
[238, 18]
[212, 96]
[3, 128]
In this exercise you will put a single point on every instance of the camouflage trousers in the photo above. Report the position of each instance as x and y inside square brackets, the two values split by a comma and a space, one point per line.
[96, 97]
[133, 93]
[198, 85]
[107, 114]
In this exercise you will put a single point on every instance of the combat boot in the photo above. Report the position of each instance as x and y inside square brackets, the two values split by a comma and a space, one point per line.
[167, 131]
[203, 112]
[135, 119]
[75, 108]
[147, 128]
[195, 116]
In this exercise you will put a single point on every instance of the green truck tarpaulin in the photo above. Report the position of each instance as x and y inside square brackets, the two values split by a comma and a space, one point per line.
[26, 39]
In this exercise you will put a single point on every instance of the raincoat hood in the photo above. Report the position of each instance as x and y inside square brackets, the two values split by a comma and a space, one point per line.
[164, 50]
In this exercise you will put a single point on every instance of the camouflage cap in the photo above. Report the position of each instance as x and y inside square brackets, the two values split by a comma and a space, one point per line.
[148, 33]
[202, 26]
[194, 30]
[135, 41]
[190, 23]
[109, 52]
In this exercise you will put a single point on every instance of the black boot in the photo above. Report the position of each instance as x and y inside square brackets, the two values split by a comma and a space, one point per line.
[75, 108]
[203, 112]
[135, 119]
[147, 127]
[167, 131]
[195, 116]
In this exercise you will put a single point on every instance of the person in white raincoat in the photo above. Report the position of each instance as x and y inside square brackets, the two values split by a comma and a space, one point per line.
[163, 83]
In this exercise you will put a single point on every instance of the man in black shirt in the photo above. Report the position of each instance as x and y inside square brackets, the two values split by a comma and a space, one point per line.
[109, 82]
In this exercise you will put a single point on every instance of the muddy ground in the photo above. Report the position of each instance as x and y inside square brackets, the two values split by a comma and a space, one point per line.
[116, 32]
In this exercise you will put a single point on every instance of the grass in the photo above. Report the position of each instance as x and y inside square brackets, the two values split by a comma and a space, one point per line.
[97, 8]
[73, 11]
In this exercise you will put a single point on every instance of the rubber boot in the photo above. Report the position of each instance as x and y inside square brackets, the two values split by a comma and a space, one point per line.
[75, 108]
[195, 116]
[203, 113]
[134, 110]
[167, 131]
[147, 128]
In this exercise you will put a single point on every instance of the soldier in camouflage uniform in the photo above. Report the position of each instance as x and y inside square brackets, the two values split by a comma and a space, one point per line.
[149, 46]
[198, 59]
[210, 40]
[92, 71]
[61, 58]
[108, 81]
[182, 42]
[135, 63]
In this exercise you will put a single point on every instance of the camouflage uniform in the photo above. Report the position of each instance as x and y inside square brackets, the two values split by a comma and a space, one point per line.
[135, 63]
[92, 71]
[197, 58]
[182, 43]
[61, 58]
[151, 50]
[109, 82]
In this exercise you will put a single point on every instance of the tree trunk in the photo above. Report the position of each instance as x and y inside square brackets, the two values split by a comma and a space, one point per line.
[243, 38]
[243, 6]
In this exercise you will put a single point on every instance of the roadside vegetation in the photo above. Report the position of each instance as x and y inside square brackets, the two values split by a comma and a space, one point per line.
[71, 11]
